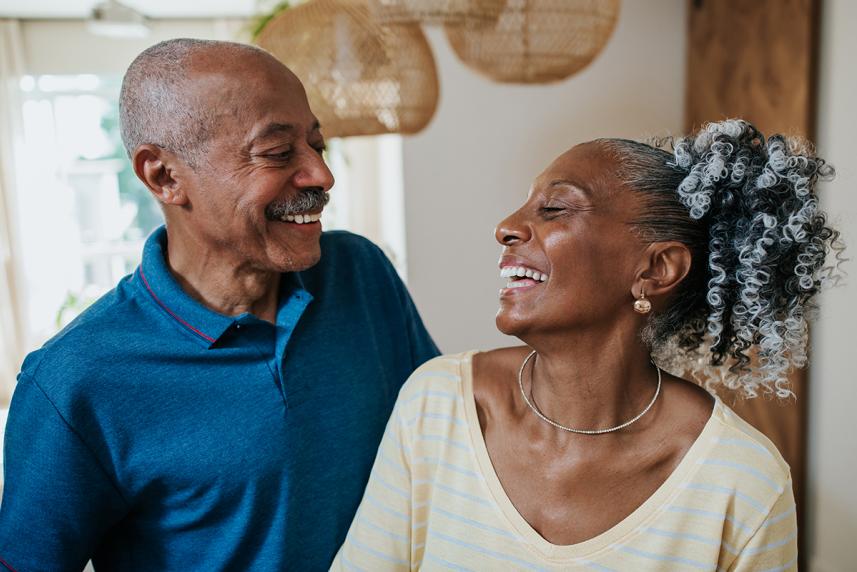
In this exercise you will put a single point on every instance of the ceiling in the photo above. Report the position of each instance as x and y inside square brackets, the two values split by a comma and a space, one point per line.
[50, 9]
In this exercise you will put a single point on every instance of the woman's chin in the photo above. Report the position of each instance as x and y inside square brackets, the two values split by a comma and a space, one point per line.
[510, 324]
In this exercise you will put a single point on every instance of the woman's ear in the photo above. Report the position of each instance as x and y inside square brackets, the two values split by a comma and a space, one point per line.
[158, 169]
[663, 267]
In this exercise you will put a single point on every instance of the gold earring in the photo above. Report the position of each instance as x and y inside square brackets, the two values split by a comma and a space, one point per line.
[642, 305]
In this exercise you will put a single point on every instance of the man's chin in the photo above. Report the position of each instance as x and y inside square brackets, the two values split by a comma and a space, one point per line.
[292, 247]
[291, 262]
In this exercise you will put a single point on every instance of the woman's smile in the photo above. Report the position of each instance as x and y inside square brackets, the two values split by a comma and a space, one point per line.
[520, 275]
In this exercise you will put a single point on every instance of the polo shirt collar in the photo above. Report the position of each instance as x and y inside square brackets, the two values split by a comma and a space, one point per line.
[160, 285]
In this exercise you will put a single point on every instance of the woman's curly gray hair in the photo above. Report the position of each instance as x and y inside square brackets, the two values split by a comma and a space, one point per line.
[746, 208]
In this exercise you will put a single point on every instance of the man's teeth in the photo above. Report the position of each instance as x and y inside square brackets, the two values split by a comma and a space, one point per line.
[303, 218]
[522, 272]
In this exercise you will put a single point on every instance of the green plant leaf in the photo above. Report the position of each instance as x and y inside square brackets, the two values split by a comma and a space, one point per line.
[258, 24]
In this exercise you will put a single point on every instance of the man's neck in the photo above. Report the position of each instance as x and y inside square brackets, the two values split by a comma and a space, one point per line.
[226, 286]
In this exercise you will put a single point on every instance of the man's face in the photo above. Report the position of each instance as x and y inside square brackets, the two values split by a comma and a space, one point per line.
[257, 192]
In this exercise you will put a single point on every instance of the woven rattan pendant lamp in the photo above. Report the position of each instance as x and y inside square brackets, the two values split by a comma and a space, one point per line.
[448, 12]
[536, 41]
[361, 77]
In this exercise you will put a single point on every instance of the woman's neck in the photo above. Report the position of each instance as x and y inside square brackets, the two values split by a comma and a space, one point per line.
[590, 381]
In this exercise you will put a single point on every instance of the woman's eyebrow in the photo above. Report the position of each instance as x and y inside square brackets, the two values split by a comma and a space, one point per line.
[567, 183]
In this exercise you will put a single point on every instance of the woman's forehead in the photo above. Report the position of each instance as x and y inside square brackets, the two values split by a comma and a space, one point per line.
[587, 165]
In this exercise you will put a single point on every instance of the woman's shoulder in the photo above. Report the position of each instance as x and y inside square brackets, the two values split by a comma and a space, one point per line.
[447, 366]
[431, 408]
[438, 377]
[742, 457]
[732, 441]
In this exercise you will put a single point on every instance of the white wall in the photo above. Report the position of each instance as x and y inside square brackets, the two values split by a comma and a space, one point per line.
[67, 47]
[476, 160]
[832, 449]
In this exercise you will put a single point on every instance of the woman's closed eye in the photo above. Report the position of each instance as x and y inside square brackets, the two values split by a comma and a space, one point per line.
[555, 207]
[549, 211]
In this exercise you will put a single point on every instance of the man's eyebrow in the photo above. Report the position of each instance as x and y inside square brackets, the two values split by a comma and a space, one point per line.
[273, 129]
[277, 128]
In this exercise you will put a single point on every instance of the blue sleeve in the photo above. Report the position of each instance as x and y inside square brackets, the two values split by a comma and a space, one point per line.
[422, 346]
[58, 501]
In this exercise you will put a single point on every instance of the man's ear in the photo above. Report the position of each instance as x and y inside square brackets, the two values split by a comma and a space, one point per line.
[160, 170]
[663, 267]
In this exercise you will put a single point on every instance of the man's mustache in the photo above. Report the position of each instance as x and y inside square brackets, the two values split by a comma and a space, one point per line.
[307, 200]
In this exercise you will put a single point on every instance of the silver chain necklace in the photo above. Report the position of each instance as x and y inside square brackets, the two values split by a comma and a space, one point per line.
[546, 419]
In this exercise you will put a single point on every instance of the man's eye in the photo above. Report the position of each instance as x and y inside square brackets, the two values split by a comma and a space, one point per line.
[551, 209]
[320, 149]
[280, 156]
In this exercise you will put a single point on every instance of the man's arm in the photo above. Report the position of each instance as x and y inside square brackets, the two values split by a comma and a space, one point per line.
[421, 344]
[58, 501]
[380, 535]
[423, 347]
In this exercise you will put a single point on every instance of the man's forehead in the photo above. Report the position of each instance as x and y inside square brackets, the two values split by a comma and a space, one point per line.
[235, 82]
[270, 112]
[235, 59]
[226, 72]
[261, 107]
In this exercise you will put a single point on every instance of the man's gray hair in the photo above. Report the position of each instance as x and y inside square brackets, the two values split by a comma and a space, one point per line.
[154, 106]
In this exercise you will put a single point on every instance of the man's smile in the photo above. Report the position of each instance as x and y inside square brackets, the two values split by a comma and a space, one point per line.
[300, 218]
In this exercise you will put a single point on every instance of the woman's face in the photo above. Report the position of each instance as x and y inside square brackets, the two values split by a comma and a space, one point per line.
[574, 234]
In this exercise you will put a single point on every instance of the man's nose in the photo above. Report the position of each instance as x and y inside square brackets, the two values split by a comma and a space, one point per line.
[313, 172]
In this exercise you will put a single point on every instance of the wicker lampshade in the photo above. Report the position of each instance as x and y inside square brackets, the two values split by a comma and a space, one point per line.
[536, 41]
[449, 12]
[361, 77]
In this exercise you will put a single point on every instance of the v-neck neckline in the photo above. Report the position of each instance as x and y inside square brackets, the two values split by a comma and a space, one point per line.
[631, 523]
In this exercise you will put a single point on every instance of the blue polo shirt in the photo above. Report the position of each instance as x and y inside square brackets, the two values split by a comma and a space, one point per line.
[156, 434]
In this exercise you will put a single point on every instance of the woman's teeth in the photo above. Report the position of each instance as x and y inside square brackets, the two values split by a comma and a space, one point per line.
[516, 272]
[302, 218]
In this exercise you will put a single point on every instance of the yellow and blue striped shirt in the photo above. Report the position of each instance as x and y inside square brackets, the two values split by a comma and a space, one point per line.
[434, 502]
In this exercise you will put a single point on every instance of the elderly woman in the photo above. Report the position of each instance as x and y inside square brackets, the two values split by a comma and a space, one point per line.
[578, 451]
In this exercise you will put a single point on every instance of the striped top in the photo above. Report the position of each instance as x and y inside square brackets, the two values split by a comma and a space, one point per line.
[434, 502]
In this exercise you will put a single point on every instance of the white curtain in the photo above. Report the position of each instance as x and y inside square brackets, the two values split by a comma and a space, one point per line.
[12, 331]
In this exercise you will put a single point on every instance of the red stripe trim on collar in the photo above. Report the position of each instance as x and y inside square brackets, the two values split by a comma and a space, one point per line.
[7, 565]
[170, 312]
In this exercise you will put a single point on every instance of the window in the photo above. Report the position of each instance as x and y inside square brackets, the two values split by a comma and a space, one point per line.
[83, 214]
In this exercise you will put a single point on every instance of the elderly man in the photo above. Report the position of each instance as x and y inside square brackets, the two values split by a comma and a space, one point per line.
[220, 409]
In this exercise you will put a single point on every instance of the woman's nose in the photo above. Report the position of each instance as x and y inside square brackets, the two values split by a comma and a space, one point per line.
[512, 230]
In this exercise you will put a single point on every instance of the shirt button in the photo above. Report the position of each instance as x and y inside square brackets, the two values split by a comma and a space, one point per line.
[237, 326]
